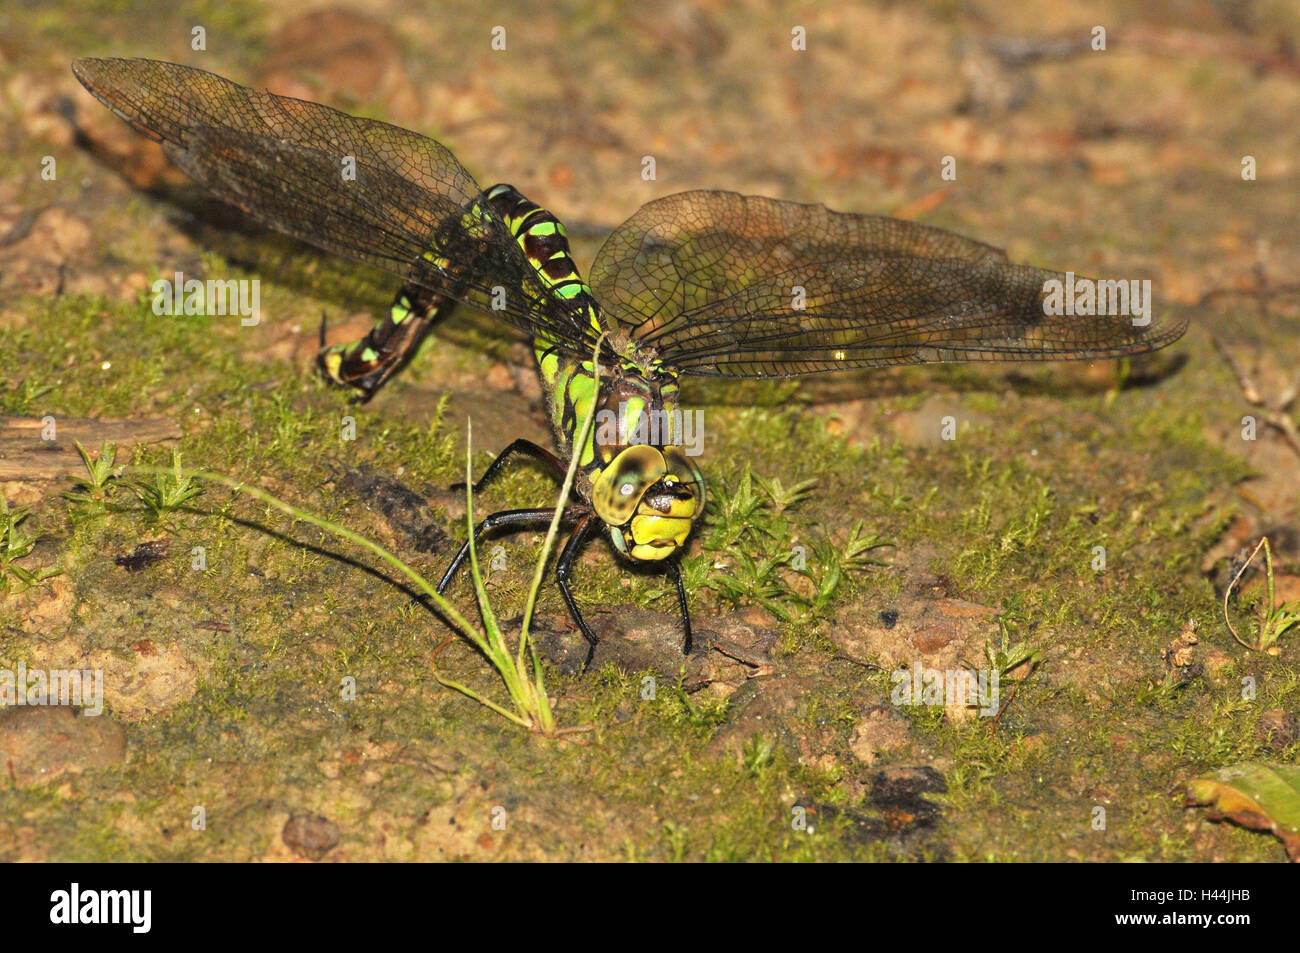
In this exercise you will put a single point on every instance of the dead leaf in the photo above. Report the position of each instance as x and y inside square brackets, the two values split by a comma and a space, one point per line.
[1263, 797]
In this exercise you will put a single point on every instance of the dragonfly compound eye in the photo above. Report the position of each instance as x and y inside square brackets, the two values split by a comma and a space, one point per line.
[617, 490]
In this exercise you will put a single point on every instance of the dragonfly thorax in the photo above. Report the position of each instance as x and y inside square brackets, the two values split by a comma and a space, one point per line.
[644, 487]
[633, 408]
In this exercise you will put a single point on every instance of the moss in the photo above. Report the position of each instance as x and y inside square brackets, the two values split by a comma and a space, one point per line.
[1007, 532]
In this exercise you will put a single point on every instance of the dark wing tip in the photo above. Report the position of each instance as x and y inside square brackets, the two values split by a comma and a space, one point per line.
[89, 70]
[1165, 333]
[130, 88]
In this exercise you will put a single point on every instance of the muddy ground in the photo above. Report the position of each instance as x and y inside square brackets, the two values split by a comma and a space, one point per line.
[228, 731]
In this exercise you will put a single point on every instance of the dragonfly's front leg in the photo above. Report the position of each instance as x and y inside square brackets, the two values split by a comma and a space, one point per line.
[674, 569]
[586, 526]
[512, 518]
[519, 447]
[581, 533]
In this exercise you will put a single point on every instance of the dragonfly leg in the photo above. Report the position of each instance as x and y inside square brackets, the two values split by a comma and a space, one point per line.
[514, 518]
[520, 446]
[581, 532]
[674, 569]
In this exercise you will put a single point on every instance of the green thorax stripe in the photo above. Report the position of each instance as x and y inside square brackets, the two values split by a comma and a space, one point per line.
[628, 404]
[573, 391]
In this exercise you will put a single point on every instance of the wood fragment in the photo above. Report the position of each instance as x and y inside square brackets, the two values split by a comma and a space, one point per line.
[25, 454]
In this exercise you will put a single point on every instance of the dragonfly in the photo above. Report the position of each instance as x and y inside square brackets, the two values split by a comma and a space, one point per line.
[699, 283]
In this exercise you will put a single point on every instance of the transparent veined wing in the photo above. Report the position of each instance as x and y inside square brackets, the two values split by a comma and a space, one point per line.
[360, 188]
[745, 286]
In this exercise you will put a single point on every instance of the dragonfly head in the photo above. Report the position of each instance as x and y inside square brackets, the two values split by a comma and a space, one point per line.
[649, 497]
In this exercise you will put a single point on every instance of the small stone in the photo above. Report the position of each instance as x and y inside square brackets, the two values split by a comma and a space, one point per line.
[878, 730]
[310, 835]
[500, 378]
[1180, 656]
[1277, 728]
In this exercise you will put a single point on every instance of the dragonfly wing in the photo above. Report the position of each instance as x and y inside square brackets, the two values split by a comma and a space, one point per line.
[744, 286]
[360, 188]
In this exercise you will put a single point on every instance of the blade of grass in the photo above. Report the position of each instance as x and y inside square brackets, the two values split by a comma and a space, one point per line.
[560, 503]
[450, 611]
[289, 509]
[528, 695]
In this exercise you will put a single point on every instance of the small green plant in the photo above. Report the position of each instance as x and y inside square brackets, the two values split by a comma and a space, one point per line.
[762, 557]
[433, 445]
[24, 395]
[16, 544]
[93, 493]
[527, 690]
[520, 669]
[708, 714]
[676, 837]
[757, 755]
[1271, 621]
[1154, 692]
[740, 513]
[1006, 658]
[830, 566]
[170, 490]
[752, 580]
[783, 498]
[287, 426]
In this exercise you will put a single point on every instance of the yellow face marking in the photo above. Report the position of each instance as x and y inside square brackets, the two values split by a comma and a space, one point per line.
[656, 537]
[650, 554]
[659, 529]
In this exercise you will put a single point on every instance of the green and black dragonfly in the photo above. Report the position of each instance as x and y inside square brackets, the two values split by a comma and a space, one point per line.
[698, 283]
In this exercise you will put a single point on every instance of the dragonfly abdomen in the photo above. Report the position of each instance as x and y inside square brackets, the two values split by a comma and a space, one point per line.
[570, 383]
[366, 364]
[545, 244]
